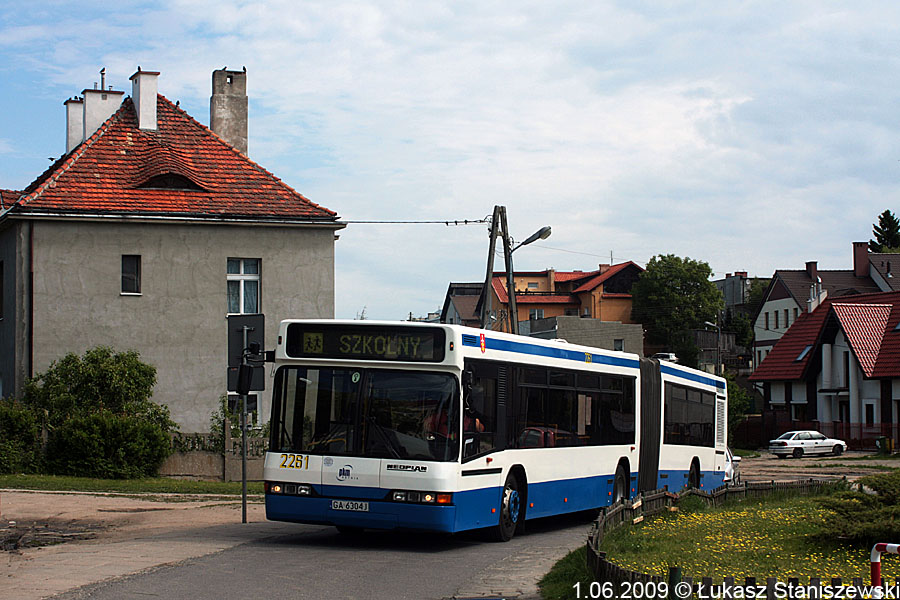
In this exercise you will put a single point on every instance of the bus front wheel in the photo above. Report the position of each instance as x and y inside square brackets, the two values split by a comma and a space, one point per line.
[510, 510]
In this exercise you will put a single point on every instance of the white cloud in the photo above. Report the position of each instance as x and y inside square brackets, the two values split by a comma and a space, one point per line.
[755, 136]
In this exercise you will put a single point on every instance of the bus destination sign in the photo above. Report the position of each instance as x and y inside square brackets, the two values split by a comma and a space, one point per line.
[411, 344]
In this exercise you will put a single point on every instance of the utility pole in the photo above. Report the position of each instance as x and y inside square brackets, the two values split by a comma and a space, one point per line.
[486, 291]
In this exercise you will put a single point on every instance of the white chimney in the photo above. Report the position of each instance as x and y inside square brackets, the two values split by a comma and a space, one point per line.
[74, 123]
[99, 105]
[143, 93]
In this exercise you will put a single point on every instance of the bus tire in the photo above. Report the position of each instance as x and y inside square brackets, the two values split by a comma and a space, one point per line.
[511, 510]
[620, 484]
[694, 475]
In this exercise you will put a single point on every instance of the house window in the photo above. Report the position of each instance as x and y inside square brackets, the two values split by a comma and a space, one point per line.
[243, 285]
[870, 414]
[619, 344]
[767, 320]
[131, 273]
[786, 324]
[535, 313]
[571, 312]
[796, 314]
[775, 314]
[532, 285]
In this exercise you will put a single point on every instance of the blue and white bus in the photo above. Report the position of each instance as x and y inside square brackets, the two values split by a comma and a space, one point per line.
[448, 428]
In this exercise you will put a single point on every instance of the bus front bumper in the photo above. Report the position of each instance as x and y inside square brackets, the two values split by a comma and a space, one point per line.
[380, 514]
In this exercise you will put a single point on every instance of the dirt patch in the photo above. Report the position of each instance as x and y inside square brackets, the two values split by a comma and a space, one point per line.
[851, 465]
[36, 519]
[15, 535]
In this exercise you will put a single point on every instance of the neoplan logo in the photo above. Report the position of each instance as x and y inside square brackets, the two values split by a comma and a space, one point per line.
[408, 468]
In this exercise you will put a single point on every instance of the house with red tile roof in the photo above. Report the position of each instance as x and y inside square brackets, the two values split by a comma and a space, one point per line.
[794, 292]
[603, 294]
[149, 231]
[837, 370]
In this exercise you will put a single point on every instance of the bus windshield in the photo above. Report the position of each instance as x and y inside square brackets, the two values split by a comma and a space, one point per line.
[366, 412]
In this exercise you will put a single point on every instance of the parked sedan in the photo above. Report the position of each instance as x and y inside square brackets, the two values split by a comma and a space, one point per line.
[798, 443]
[732, 467]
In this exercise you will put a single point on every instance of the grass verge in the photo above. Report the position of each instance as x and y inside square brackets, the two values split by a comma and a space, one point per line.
[157, 485]
[775, 537]
[559, 583]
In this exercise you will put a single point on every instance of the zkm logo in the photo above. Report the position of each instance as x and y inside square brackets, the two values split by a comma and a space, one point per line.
[344, 473]
[483, 343]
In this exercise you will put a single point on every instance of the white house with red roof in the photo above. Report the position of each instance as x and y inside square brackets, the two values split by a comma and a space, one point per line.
[146, 234]
[837, 369]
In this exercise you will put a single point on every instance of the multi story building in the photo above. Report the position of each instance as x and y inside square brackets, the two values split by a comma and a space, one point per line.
[146, 234]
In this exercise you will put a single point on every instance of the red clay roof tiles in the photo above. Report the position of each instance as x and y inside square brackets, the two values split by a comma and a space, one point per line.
[105, 174]
[864, 327]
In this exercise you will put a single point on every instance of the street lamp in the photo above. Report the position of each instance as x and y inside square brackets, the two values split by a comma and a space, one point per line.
[498, 226]
[718, 343]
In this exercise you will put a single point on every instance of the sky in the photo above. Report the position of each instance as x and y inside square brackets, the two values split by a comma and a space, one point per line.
[753, 136]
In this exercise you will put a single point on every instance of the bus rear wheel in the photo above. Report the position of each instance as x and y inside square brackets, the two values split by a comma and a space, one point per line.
[510, 510]
[694, 476]
[620, 484]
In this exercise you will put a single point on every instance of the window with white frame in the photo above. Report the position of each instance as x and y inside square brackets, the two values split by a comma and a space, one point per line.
[243, 285]
[535, 313]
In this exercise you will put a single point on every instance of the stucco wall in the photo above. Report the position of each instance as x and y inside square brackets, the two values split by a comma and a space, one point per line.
[178, 323]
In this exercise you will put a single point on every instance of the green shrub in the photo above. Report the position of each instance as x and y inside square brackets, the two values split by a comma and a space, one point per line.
[20, 445]
[100, 380]
[101, 419]
[866, 516]
[108, 446]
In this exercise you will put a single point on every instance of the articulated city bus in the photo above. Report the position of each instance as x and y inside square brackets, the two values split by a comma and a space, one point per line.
[448, 428]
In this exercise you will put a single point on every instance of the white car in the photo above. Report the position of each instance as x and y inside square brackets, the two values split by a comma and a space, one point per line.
[732, 467]
[800, 443]
[667, 356]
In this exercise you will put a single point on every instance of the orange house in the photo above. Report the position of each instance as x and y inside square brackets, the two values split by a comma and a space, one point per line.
[604, 294]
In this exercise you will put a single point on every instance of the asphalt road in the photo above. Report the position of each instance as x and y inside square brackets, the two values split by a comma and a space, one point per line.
[320, 563]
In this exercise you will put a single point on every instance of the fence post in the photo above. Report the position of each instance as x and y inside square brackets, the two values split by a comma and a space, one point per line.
[674, 579]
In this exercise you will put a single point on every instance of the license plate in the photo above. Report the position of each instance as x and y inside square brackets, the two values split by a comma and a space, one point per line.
[350, 505]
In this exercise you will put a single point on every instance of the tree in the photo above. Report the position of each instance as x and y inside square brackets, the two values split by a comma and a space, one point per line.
[887, 234]
[674, 295]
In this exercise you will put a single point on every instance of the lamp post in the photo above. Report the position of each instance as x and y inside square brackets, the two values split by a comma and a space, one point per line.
[718, 343]
[498, 226]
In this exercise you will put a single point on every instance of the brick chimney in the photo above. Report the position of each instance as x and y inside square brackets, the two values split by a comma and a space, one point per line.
[812, 270]
[228, 107]
[143, 93]
[860, 259]
[604, 268]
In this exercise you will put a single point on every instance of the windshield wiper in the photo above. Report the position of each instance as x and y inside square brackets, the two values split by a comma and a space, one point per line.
[385, 438]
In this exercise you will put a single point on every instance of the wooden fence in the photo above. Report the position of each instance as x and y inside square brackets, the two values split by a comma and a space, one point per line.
[627, 513]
